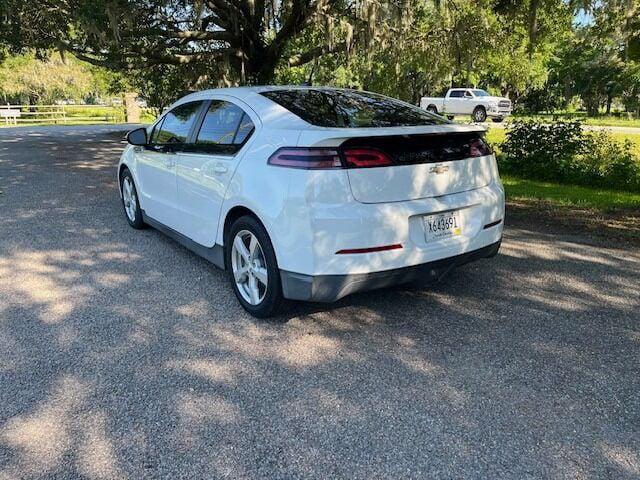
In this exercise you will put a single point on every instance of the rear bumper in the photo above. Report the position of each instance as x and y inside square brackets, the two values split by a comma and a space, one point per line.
[499, 113]
[329, 288]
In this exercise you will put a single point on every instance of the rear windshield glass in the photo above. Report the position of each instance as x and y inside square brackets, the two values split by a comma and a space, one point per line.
[350, 109]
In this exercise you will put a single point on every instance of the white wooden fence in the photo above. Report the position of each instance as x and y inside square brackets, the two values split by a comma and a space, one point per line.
[14, 114]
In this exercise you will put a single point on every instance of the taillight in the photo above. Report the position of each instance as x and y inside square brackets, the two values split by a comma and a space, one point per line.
[366, 157]
[307, 158]
[479, 148]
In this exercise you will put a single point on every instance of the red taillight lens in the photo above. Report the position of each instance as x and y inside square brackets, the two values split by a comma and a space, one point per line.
[306, 158]
[366, 157]
[479, 148]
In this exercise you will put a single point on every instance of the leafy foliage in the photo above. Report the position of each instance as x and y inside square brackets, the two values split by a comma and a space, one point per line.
[563, 152]
[542, 151]
[530, 50]
[238, 41]
[606, 162]
[43, 81]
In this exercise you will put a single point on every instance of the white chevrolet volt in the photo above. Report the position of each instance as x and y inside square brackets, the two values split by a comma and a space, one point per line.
[309, 193]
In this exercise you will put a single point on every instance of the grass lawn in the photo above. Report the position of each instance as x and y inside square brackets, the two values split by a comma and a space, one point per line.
[569, 195]
[604, 213]
[568, 208]
[607, 121]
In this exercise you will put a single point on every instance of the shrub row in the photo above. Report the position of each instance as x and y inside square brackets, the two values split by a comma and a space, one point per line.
[563, 152]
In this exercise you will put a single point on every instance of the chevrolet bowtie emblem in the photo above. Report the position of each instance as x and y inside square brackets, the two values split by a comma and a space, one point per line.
[438, 169]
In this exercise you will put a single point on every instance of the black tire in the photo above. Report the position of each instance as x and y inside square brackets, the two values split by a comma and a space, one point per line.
[497, 119]
[432, 109]
[450, 117]
[273, 301]
[479, 114]
[135, 222]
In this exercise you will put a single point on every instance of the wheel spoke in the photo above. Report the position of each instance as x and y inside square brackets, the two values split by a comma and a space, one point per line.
[261, 275]
[253, 290]
[241, 248]
[253, 243]
[241, 274]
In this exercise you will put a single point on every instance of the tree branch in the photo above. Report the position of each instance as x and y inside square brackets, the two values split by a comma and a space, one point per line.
[308, 56]
[202, 35]
[300, 13]
[186, 57]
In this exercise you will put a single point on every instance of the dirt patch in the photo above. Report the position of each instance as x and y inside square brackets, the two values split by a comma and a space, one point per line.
[618, 224]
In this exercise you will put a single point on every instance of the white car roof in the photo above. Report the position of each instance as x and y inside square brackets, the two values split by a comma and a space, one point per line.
[278, 117]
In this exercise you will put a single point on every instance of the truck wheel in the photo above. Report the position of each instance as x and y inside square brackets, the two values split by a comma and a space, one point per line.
[432, 109]
[450, 117]
[479, 114]
[497, 119]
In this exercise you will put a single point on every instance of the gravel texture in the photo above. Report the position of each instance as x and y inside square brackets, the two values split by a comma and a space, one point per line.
[123, 355]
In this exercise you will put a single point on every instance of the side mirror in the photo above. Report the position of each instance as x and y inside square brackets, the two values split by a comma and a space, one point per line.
[137, 137]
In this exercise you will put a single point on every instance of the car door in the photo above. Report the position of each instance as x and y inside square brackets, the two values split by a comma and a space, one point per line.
[467, 102]
[156, 163]
[453, 102]
[206, 165]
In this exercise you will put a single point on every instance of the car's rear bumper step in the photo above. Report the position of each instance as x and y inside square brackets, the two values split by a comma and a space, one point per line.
[329, 288]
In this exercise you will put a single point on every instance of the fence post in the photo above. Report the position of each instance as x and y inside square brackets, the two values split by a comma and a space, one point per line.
[132, 109]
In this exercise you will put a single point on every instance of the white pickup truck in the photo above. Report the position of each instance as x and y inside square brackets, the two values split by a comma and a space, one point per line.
[468, 101]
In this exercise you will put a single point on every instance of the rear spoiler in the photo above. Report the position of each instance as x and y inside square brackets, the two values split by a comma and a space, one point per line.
[331, 137]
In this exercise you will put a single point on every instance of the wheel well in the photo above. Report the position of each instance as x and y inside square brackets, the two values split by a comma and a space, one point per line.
[480, 106]
[232, 215]
[432, 105]
[123, 167]
[121, 170]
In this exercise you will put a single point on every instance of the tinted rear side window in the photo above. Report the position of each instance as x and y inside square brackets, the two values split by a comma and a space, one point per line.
[225, 129]
[220, 123]
[350, 109]
[245, 129]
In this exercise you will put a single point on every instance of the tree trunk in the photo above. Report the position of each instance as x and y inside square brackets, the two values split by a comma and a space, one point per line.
[33, 100]
[592, 106]
[260, 66]
[533, 25]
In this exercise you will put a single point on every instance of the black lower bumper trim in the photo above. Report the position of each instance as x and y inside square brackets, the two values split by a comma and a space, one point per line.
[329, 288]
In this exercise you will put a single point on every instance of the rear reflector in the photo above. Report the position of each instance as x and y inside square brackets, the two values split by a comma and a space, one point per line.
[366, 157]
[492, 224]
[383, 248]
[306, 158]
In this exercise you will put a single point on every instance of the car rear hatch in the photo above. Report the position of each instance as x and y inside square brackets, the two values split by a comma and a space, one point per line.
[385, 165]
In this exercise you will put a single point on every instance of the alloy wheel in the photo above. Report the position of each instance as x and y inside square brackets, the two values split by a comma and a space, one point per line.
[129, 198]
[249, 267]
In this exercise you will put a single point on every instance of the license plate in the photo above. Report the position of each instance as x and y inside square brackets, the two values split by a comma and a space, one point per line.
[442, 225]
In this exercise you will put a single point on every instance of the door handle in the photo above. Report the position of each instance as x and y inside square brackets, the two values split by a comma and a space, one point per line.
[169, 162]
[220, 168]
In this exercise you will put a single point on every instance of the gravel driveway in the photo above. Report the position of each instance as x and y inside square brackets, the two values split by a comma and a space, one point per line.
[123, 355]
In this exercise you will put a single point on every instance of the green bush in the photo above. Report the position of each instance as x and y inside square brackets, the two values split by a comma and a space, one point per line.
[606, 162]
[563, 152]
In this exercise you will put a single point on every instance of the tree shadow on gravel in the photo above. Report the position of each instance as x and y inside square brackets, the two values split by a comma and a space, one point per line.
[123, 355]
